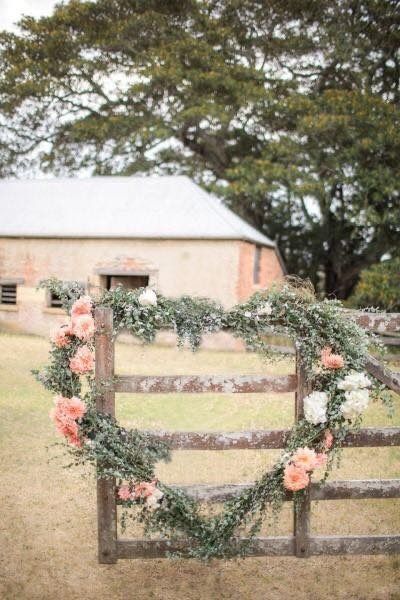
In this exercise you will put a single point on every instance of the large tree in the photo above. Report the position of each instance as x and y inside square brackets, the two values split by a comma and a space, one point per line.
[289, 109]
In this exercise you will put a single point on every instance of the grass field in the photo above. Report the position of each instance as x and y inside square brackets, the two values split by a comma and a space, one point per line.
[48, 530]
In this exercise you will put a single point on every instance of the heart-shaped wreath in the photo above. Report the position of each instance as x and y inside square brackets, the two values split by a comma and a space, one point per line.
[333, 349]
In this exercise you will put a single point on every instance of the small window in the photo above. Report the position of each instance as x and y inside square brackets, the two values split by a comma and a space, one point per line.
[55, 301]
[8, 293]
[129, 282]
[257, 264]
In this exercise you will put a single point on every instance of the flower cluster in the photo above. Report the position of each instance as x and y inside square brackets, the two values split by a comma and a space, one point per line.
[296, 475]
[145, 492]
[68, 411]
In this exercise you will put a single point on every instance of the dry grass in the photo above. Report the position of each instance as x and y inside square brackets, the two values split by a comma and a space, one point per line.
[49, 527]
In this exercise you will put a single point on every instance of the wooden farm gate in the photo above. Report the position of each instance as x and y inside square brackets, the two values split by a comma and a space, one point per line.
[301, 543]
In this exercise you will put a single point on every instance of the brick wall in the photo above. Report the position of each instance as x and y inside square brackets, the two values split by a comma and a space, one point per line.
[270, 270]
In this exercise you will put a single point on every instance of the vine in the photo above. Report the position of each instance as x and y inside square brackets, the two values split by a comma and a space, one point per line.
[333, 350]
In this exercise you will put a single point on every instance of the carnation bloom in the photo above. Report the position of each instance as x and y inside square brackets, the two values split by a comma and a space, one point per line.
[59, 336]
[305, 458]
[64, 416]
[315, 405]
[82, 306]
[83, 327]
[68, 428]
[74, 408]
[148, 298]
[83, 361]
[124, 493]
[328, 439]
[295, 478]
[144, 489]
[331, 361]
[71, 433]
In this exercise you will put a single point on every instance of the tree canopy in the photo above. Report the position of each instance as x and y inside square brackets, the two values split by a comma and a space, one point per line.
[379, 287]
[290, 110]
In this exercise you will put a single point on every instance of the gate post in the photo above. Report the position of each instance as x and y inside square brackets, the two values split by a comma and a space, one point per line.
[105, 402]
[303, 509]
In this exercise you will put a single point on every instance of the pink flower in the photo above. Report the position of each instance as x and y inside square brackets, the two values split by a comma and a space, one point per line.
[74, 408]
[82, 306]
[124, 492]
[64, 416]
[295, 478]
[144, 489]
[305, 458]
[328, 439]
[83, 327]
[320, 460]
[59, 336]
[69, 429]
[83, 361]
[331, 361]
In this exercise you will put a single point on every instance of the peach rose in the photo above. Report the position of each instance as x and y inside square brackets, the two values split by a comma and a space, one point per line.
[83, 327]
[82, 306]
[305, 458]
[295, 478]
[331, 361]
[59, 336]
[83, 361]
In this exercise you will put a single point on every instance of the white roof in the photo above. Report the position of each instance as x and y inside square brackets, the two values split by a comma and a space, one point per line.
[112, 207]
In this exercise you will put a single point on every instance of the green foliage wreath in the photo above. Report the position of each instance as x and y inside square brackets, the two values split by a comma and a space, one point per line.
[332, 347]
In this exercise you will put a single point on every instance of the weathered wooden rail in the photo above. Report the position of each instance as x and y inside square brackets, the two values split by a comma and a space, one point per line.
[301, 543]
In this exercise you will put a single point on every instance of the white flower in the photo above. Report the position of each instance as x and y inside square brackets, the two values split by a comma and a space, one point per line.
[355, 404]
[247, 314]
[158, 494]
[265, 309]
[148, 298]
[152, 502]
[315, 407]
[354, 381]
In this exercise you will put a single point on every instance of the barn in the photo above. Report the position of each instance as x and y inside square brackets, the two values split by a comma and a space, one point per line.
[160, 231]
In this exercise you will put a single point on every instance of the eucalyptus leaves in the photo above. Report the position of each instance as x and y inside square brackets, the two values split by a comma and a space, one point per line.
[332, 347]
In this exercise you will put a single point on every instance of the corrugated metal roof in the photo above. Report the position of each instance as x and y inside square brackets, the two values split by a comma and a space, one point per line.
[110, 207]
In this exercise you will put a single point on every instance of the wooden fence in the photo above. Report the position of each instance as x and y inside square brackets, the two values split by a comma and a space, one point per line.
[301, 543]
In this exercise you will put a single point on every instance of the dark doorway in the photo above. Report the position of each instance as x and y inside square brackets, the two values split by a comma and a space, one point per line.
[129, 282]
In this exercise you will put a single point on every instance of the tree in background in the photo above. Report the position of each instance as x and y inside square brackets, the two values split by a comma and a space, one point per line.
[379, 286]
[290, 110]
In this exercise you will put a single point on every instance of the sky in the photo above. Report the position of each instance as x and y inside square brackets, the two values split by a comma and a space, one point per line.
[12, 10]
